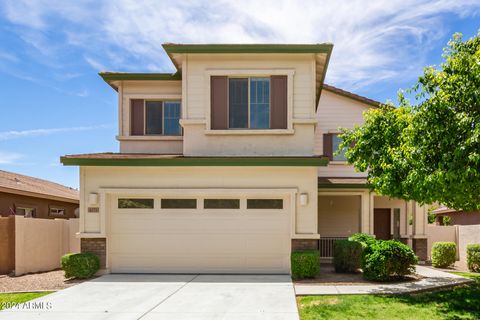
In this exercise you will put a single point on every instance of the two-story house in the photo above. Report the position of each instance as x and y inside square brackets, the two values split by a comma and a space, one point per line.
[227, 166]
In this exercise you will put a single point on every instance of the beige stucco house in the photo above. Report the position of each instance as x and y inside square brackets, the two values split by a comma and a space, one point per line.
[227, 166]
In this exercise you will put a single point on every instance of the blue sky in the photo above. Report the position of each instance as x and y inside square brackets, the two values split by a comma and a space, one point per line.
[54, 103]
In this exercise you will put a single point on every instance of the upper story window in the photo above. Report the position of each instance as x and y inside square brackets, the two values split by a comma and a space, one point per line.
[248, 102]
[331, 144]
[155, 117]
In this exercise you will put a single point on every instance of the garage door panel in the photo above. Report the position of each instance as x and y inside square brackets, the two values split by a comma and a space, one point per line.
[156, 223]
[198, 264]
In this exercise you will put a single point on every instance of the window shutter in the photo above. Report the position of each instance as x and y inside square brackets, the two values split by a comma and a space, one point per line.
[219, 102]
[327, 145]
[137, 117]
[278, 102]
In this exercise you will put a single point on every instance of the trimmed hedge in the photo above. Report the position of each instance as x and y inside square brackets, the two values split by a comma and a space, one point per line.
[305, 264]
[347, 256]
[363, 238]
[473, 257]
[80, 265]
[444, 254]
[386, 260]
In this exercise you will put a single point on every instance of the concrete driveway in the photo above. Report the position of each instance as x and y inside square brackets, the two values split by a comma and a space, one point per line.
[173, 297]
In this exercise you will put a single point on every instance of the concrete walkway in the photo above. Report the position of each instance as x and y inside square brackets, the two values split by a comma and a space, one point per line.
[172, 297]
[432, 279]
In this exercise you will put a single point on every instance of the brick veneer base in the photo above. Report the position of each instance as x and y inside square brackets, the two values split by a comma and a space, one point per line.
[420, 248]
[97, 246]
[304, 244]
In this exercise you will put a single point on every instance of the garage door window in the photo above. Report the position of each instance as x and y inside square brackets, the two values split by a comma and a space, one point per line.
[179, 203]
[129, 203]
[221, 204]
[264, 204]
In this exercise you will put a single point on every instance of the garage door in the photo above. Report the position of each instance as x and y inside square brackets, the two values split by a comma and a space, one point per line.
[199, 234]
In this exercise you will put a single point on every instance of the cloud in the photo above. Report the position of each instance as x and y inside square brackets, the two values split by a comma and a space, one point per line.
[375, 41]
[9, 157]
[9, 135]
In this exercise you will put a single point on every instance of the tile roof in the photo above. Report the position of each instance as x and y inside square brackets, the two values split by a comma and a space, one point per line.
[40, 187]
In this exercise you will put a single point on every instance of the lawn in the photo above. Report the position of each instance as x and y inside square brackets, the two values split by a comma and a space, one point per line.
[458, 303]
[11, 299]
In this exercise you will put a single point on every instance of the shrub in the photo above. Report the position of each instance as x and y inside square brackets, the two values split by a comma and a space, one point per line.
[80, 265]
[305, 264]
[347, 255]
[363, 238]
[473, 257]
[385, 260]
[443, 254]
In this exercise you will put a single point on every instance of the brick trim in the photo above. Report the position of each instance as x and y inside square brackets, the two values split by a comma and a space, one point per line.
[97, 246]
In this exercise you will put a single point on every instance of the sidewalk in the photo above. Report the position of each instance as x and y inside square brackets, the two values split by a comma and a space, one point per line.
[432, 279]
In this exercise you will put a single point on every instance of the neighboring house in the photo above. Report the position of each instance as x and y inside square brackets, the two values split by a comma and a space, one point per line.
[227, 166]
[37, 198]
[457, 217]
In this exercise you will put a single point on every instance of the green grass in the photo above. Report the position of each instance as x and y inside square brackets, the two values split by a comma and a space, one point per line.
[9, 299]
[457, 303]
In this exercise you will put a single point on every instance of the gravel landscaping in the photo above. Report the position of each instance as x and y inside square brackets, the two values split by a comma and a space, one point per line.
[44, 281]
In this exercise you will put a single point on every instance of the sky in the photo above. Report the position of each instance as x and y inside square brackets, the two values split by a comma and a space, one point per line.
[54, 103]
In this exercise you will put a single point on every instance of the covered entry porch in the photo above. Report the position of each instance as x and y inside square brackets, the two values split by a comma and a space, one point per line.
[346, 206]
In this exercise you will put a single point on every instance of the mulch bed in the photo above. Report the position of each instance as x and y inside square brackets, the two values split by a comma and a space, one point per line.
[328, 277]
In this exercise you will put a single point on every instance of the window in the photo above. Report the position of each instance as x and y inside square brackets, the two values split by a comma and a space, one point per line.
[221, 204]
[23, 211]
[336, 140]
[179, 203]
[264, 204]
[249, 103]
[171, 118]
[135, 203]
[155, 117]
[54, 211]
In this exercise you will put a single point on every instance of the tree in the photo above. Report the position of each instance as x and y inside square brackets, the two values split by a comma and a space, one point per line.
[427, 151]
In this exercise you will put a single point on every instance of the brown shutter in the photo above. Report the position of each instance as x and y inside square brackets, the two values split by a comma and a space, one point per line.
[137, 117]
[327, 145]
[219, 102]
[278, 102]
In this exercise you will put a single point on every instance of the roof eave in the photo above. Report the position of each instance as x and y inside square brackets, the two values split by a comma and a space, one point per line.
[199, 161]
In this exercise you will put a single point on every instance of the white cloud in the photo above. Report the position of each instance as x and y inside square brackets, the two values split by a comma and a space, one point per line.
[9, 135]
[9, 157]
[375, 41]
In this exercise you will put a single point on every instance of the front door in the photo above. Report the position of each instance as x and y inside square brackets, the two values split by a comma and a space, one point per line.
[381, 224]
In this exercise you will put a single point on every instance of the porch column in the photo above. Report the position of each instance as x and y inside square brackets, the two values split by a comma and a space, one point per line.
[366, 213]
[419, 237]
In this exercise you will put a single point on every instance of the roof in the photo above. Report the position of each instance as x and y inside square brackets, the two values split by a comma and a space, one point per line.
[142, 159]
[175, 52]
[351, 95]
[342, 182]
[11, 182]
[443, 209]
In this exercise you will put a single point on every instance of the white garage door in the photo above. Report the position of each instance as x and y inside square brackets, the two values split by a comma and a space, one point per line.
[199, 234]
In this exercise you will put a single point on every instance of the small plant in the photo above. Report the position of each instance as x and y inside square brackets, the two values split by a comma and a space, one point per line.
[473, 257]
[80, 265]
[347, 256]
[444, 254]
[305, 264]
[363, 238]
[386, 260]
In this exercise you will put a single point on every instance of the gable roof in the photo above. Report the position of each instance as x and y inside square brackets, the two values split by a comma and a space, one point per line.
[322, 52]
[11, 182]
[352, 95]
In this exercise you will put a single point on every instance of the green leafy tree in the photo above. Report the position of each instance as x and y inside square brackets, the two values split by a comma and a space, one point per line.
[428, 151]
